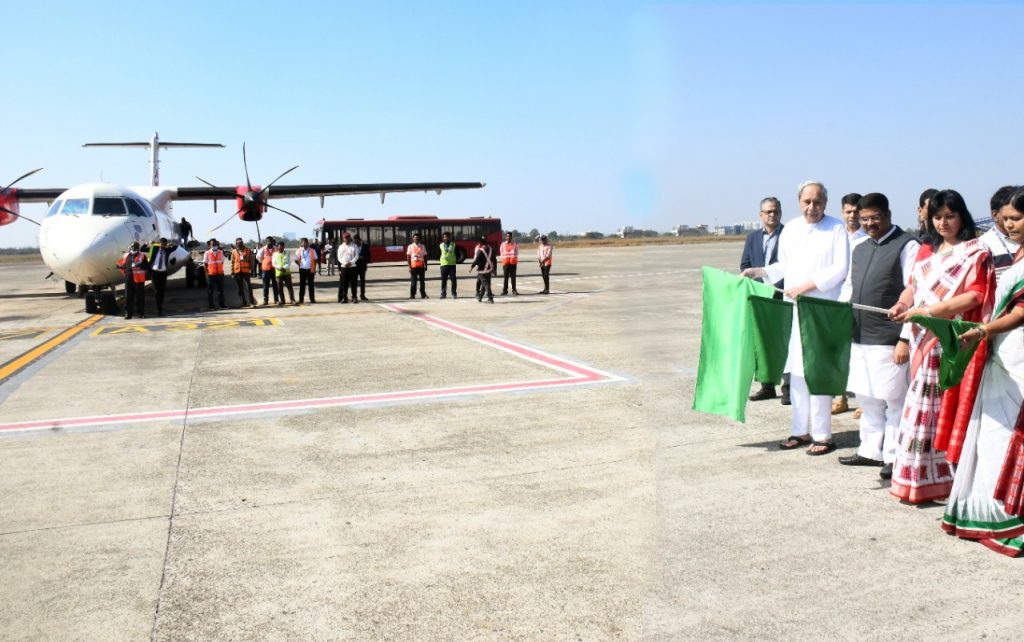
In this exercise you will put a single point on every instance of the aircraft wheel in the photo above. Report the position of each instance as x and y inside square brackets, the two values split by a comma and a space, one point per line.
[108, 303]
[91, 307]
[190, 275]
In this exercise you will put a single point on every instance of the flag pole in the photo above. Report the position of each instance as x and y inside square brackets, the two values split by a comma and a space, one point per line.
[856, 306]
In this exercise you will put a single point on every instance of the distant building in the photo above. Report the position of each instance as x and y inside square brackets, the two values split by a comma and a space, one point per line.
[686, 230]
[627, 232]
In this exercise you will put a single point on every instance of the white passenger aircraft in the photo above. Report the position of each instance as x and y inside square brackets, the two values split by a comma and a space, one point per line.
[89, 227]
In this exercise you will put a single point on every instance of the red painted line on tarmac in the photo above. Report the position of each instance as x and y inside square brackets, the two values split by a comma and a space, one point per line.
[579, 375]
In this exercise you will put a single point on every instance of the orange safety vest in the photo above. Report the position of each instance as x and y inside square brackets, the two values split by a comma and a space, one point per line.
[138, 272]
[509, 253]
[417, 254]
[267, 263]
[214, 262]
[241, 262]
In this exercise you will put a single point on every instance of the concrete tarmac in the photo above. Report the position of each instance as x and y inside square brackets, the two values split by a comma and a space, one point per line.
[441, 470]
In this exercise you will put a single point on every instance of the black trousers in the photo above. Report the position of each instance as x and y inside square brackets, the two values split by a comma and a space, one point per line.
[483, 286]
[448, 272]
[269, 282]
[545, 271]
[159, 287]
[361, 273]
[347, 282]
[244, 285]
[215, 281]
[285, 281]
[507, 271]
[134, 297]
[417, 275]
[306, 277]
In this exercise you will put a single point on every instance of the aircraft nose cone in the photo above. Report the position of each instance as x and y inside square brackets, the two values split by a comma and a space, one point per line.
[81, 251]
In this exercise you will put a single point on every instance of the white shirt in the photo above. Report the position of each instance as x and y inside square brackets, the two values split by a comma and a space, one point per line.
[348, 254]
[1001, 248]
[159, 261]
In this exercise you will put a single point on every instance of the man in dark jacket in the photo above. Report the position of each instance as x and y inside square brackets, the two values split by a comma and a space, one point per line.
[761, 249]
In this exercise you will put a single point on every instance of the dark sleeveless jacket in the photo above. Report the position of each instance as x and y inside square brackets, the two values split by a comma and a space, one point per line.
[877, 280]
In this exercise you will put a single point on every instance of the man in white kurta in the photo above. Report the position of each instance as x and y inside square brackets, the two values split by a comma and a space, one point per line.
[878, 370]
[814, 257]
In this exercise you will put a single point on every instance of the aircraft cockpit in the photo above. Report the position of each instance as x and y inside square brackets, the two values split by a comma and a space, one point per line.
[127, 205]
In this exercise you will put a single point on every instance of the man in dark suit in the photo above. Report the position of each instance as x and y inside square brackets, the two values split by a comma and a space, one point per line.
[761, 249]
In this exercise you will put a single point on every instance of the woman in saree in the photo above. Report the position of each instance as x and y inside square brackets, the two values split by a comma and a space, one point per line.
[953, 279]
[987, 500]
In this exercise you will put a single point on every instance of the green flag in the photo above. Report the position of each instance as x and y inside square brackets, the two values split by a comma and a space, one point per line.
[954, 360]
[726, 365]
[826, 330]
[773, 323]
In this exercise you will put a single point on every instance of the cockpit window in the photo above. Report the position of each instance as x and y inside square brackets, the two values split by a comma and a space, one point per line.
[106, 206]
[75, 206]
[54, 208]
[135, 208]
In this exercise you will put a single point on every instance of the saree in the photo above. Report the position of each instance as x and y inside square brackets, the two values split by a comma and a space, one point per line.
[934, 421]
[986, 500]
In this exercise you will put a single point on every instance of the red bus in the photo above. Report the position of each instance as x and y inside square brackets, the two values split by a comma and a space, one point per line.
[389, 237]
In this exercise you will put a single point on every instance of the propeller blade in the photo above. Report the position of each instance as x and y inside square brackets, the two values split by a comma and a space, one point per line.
[283, 174]
[4, 190]
[274, 207]
[13, 213]
[209, 184]
[245, 164]
[224, 223]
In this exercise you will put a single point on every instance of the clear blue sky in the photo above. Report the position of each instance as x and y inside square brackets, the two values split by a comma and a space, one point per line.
[578, 115]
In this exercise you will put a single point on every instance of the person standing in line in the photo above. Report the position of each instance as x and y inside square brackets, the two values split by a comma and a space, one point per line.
[282, 273]
[509, 251]
[416, 256]
[997, 240]
[134, 266]
[814, 257]
[987, 500]
[241, 265]
[348, 254]
[854, 231]
[544, 251]
[265, 258]
[305, 260]
[922, 214]
[328, 256]
[760, 249]
[483, 263]
[880, 269]
[213, 259]
[158, 261]
[953, 278]
[448, 263]
[361, 264]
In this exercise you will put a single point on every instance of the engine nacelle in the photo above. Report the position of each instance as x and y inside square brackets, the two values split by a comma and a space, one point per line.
[9, 200]
[250, 203]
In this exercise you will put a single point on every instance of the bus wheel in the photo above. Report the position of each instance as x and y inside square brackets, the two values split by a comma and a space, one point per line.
[460, 255]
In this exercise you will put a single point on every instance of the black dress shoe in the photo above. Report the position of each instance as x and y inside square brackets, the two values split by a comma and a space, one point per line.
[766, 392]
[785, 400]
[886, 472]
[857, 460]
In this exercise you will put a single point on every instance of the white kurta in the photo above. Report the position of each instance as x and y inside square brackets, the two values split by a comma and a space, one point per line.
[818, 252]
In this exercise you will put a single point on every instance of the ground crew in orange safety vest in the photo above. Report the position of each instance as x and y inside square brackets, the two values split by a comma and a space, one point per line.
[265, 257]
[134, 266]
[416, 255]
[509, 252]
[544, 259]
[213, 259]
[241, 272]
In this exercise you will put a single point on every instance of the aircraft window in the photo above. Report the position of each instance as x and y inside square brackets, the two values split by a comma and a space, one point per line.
[135, 208]
[75, 206]
[108, 207]
[54, 208]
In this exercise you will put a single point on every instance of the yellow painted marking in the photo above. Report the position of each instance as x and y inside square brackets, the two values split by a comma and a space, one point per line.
[20, 362]
[23, 333]
[184, 326]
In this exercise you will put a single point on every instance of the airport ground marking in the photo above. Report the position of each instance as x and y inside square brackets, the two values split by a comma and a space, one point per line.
[184, 326]
[573, 374]
[23, 333]
[25, 359]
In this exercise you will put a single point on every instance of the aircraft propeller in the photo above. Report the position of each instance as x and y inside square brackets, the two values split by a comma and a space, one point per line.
[6, 189]
[252, 201]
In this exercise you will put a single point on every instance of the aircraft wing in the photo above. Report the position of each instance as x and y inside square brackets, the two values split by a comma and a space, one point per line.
[301, 191]
[36, 195]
